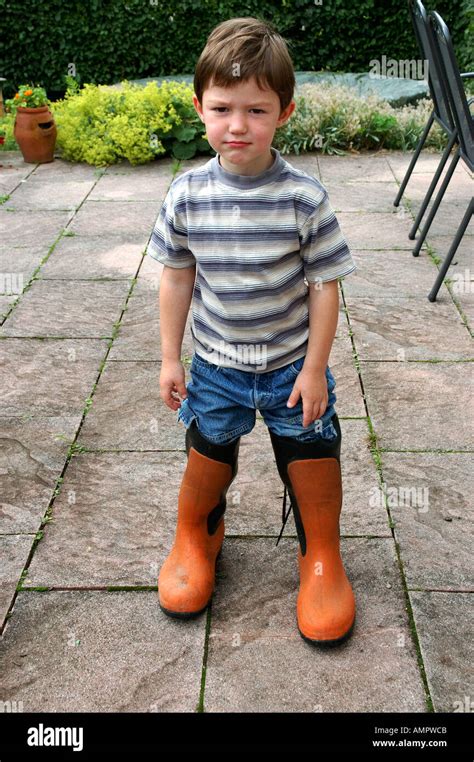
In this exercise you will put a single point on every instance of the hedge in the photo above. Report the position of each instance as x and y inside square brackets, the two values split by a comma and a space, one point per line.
[106, 41]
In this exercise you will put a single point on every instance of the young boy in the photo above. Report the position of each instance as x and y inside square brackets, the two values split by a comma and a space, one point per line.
[254, 244]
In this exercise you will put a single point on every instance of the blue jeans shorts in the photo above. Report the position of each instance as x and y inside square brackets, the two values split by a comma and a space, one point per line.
[223, 402]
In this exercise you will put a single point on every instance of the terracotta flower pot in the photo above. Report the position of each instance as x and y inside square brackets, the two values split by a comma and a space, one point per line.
[35, 132]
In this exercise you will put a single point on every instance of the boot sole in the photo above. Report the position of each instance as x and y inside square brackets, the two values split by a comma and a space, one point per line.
[191, 614]
[184, 614]
[329, 643]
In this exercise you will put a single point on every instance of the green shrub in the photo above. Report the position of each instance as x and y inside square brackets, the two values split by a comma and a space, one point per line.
[7, 122]
[101, 125]
[104, 41]
[334, 119]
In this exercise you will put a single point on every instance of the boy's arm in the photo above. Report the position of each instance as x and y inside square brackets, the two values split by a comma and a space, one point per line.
[176, 290]
[323, 308]
[311, 382]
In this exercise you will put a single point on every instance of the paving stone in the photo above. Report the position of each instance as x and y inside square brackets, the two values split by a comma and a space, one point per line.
[6, 303]
[33, 451]
[257, 660]
[139, 333]
[40, 192]
[48, 377]
[399, 162]
[411, 407]
[68, 308]
[67, 171]
[428, 497]
[307, 162]
[392, 328]
[444, 624]
[376, 230]
[357, 196]
[14, 549]
[131, 187]
[127, 412]
[101, 651]
[14, 160]
[132, 221]
[32, 228]
[390, 273]
[447, 218]
[11, 178]
[420, 182]
[113, 522]
[91, 258]
[349, 401]
[442, 243]
[373, 168]
[161, 167]
[17, 266]
[466, 303]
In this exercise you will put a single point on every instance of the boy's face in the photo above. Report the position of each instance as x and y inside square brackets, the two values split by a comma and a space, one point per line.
[244, 114]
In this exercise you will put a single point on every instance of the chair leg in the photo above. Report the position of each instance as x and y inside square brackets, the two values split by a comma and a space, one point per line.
[414, 159]
[436, 203]
[452, 251]
[434, 183]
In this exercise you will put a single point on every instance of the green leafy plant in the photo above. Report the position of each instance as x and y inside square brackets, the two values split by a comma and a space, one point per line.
[7, 123]
[101, 125]
[28, 96]
[334, 119]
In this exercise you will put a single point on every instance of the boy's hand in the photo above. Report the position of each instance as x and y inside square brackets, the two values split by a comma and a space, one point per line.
[172, 383]
[313, 388]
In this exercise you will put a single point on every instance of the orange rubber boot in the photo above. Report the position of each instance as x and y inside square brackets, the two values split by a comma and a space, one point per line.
[187, 577]
[326, 603]
[312, 474]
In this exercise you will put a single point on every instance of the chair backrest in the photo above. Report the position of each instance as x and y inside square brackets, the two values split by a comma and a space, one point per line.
[454, 85]
[424, 36]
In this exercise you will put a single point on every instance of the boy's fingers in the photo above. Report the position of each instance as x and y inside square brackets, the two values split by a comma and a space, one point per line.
[182, 391]
[312, 411]
[308, 413]
[170, 394]
[293, 398]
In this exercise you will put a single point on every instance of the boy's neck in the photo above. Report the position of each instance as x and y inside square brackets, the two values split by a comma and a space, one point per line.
[255, 168]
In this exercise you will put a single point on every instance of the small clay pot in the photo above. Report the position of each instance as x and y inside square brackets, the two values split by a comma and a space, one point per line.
[35, 132]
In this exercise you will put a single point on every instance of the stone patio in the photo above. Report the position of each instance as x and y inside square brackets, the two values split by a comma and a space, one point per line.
[91, 463]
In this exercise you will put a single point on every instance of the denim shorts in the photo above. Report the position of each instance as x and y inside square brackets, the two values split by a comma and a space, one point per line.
[223, 402]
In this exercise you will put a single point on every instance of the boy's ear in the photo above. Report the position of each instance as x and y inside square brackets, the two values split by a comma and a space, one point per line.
[285, 115]
[198, 107]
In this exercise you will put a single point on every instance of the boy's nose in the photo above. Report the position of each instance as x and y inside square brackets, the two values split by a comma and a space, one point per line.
[237, 125]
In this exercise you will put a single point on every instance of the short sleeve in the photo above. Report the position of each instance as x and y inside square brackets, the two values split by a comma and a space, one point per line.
[169, 239]
[323, 248]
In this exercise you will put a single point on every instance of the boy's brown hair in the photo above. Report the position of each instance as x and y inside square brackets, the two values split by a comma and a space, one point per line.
[256, 48]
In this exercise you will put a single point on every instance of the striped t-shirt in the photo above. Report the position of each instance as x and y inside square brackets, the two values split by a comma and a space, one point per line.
[257, 242]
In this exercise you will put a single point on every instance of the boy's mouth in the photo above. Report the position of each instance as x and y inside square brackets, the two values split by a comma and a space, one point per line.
[237, 143]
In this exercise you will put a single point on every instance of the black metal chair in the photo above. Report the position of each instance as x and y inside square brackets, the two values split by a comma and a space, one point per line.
[441, 108]
[464, 122]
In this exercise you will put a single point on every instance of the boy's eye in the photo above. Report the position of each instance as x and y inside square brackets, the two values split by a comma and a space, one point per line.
[224, 108]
